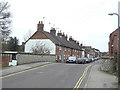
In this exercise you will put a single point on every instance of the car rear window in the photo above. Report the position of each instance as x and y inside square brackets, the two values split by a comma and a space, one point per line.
[72, 58]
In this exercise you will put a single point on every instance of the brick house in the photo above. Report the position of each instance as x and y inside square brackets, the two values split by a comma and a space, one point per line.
[91, 52]
[113, 40]
[57, 42]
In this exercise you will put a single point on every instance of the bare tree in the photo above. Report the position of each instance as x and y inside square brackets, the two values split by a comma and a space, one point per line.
[40, 48]
[27, 35]
[5, 20]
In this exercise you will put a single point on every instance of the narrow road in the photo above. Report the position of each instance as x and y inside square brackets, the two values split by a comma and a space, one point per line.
[55, 75]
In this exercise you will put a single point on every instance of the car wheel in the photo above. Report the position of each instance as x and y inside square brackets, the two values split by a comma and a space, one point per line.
[76, 62]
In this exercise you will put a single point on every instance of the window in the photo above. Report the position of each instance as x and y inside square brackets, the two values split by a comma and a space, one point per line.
[59, 57]
[69, 49]
[59, 47]
[65, 48]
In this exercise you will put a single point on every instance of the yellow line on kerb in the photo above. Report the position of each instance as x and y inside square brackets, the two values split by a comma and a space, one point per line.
[81, 78]
[26, 70]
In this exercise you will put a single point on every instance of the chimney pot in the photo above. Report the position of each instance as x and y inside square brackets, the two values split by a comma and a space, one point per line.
[41, 22]
[59, 33]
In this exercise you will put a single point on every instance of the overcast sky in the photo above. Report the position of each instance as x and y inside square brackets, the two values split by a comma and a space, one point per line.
[87, 21]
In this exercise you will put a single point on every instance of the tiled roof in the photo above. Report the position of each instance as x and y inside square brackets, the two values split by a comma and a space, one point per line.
[61, 41]
[75, 45]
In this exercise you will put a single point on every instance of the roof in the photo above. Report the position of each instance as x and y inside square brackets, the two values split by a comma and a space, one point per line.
[61, 41]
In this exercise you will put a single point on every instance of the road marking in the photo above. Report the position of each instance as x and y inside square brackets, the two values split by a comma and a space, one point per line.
[87, 79]
[26, 70]
[81, 78]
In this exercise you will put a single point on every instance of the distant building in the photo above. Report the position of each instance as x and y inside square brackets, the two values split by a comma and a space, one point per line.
[57, 42]
[104, 53]
[91, 52]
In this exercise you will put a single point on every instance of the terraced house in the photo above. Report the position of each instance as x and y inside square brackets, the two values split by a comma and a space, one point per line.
[58, 43]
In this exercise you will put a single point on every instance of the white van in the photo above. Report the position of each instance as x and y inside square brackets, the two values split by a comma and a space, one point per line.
[72, 59]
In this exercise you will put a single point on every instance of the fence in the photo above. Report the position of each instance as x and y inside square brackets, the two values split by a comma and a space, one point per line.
[5, 59]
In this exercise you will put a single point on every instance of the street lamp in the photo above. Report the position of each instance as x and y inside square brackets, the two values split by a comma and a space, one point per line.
[118, 61]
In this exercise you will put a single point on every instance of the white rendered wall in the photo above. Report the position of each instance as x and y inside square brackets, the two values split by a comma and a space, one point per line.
[88, 55]
[83, 54]
[48, 44]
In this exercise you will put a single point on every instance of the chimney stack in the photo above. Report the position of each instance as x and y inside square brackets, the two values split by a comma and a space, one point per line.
[77, 42]
[59, 33]
[81, 45]
[70, 38]
[40, 26]
[53, 31]
[63, 35]
[66, 37]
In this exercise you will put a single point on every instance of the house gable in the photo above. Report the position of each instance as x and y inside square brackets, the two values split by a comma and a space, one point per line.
[39, 35]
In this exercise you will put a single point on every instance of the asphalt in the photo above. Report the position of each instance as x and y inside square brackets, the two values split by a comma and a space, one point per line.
[54, 75]
[96, 78]
[14, 69]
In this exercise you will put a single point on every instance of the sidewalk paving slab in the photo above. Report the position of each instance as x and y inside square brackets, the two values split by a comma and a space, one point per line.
[101, 79]
[19, 68]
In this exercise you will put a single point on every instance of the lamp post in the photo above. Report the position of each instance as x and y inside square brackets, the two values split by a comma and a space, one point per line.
[118, 55]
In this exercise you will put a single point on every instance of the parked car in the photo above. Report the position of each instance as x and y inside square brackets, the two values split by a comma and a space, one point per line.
[81, 60]
[87, 60]
[96, 58]
[93, 59]
[90, 59]
[71, 59]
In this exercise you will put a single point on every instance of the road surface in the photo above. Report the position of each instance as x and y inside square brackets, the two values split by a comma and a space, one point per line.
[55, 75]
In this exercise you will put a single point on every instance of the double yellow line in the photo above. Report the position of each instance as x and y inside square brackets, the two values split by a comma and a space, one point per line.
[81, 78]
[25, 70]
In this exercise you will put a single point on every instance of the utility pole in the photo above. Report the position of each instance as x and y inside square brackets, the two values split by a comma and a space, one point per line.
[119, 46]
[118, 49]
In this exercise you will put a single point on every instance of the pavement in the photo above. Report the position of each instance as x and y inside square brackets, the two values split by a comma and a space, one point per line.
[96, 78]
[100, 79]
[23, 67]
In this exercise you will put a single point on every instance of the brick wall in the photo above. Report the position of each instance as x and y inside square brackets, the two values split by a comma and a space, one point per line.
[0, 60]
[67, 53]
[113, 40]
